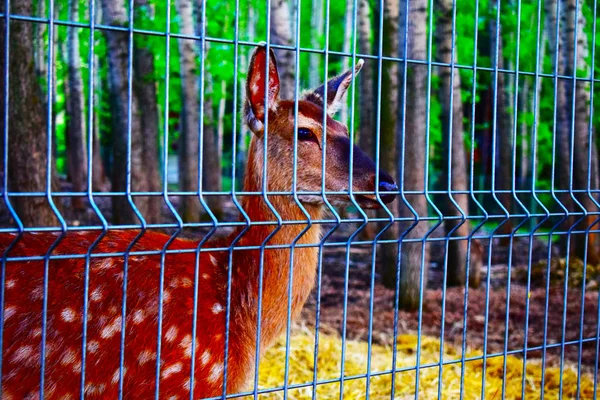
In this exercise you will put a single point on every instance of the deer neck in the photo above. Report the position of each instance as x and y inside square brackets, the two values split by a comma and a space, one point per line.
[276, 262]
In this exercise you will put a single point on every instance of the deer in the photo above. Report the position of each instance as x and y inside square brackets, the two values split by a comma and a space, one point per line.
[184, 276]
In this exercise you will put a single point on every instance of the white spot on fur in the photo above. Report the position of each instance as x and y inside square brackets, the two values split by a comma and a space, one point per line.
[68, 357]
[205, 358]
[111, 329]
[186, 282]
[171, 369]
[217, 308]
[106, 263]
[23, 354]
[115, 376]
[173, 398]
[37, 293]
[167, 296]
[36, 333]
[92, 388]
[171, 334]
[216, 372]
[10, 283]
[146, 356]
[67, 314]
[213, 260]
[138, 316]
[9, 312]
[93, 346]
[96, 295]
[205, 276]
[186, 345]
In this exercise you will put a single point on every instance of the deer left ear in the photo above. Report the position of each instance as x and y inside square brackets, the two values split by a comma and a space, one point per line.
[336, 90]
[257, 99]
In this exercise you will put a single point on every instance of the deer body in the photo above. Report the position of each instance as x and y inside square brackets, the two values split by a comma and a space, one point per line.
[24, 288]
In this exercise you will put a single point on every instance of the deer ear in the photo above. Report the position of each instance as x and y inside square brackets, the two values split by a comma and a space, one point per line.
[255, 86]
[336, 89]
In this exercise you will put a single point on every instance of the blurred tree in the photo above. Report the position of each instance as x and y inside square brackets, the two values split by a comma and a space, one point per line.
[367, 98]
[585, 152]
[389, 126]
[503, 118]
[145, 87]
[123, 105]
[211, 158]
[316, 25]
[27, 151]
[455, 167]
[76, 149]
[188, 141]
[281, 33]
[414, 259]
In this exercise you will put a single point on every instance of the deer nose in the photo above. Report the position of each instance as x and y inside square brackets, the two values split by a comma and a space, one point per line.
[387, 184]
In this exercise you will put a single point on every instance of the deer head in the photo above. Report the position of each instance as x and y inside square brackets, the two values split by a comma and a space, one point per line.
[262, 100]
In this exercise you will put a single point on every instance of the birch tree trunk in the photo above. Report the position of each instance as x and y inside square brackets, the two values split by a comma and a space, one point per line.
[414, 257]
[581, 137]
[40, 41]
[316, 25]
[27, 153]
[211, 158]
[346, 61]
[145, 87]
[504, 122]
[389, 126]
[77, 155]
[563, 125]
[281, 33]
[188, 142]
[99, 179]
[455, 148]
[114, 13]
[366, 82]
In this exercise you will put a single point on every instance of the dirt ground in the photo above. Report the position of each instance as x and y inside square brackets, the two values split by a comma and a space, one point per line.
[524, 308]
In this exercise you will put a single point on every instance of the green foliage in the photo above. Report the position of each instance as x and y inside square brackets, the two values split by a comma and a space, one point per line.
[522, 25]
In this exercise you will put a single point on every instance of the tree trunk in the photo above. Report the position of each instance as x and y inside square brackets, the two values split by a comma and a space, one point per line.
[188, 142]
[40, 41]
[414, 259]
[346, 61]
[563, 125]
[99, 178]
[504, 123]
[27, 151]
[457, 170]
[211, 181]
[316, 24]
[583, 176]
[114, 13]
[76, 151]
[366, 81]
[145, 87]
[524, 108]
[388, 130]
[281, 33]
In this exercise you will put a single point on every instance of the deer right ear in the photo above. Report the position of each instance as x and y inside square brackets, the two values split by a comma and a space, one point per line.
[257, 100]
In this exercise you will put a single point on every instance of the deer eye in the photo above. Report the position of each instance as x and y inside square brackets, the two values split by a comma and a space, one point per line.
[306, 134]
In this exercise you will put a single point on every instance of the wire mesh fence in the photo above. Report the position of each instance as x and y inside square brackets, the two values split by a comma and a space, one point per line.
[288, 199]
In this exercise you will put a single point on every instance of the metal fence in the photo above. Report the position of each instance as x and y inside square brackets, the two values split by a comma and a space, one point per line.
[540, 211]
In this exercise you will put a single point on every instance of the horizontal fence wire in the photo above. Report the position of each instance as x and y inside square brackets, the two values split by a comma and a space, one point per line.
[491, 252]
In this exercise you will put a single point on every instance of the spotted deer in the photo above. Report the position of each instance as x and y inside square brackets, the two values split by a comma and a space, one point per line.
[24, 282]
